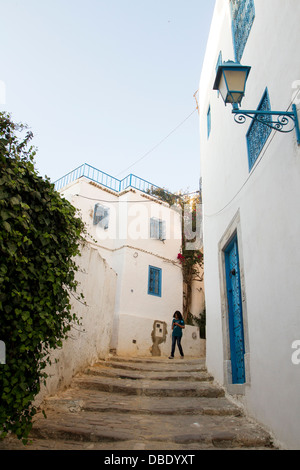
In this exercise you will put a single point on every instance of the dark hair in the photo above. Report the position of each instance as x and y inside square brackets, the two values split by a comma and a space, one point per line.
[179, 314]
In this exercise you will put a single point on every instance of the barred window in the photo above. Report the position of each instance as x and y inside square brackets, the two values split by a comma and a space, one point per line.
[154, 281]
[258, 132]
[243, 15]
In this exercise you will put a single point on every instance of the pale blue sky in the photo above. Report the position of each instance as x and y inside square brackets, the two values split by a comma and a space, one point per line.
[104, 81]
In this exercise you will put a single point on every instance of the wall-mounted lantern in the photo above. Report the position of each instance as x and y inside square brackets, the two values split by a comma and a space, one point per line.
[231, 82]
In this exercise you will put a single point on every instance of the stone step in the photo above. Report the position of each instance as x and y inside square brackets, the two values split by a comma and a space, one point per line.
[99, 402]
[136, 445]
[157, 360]
[156, 366]
[168, 375]
[213, 431]
[149, 387]
[143, 404]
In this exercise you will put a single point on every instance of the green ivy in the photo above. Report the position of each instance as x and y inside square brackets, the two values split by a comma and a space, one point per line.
[40, 234]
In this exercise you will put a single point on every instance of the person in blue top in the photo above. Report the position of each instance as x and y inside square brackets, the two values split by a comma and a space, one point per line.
[177, 327]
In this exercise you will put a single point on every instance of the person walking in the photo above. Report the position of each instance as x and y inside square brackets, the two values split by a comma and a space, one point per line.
[177, 327]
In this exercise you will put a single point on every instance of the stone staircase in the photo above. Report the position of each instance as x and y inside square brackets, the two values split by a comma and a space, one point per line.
[143, 404]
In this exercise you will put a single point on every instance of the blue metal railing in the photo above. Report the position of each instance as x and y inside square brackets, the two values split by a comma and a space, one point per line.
[102, 178]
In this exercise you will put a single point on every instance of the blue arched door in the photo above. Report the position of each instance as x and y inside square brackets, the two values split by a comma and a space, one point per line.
[235, 312]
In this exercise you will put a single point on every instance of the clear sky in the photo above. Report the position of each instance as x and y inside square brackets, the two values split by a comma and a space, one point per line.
[105, 81]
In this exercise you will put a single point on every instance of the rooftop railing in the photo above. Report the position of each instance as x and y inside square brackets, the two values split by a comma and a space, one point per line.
[102, 178]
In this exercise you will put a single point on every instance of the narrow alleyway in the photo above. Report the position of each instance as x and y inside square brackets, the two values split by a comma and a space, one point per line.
[143, 404]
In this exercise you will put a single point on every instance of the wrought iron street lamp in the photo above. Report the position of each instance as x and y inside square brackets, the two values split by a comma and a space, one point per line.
[231, 82]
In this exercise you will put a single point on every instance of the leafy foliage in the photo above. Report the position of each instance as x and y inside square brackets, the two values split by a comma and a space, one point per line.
[40, 234]
[199, 321]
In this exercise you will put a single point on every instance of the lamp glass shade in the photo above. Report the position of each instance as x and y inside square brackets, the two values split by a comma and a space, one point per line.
[236, 84]
[223, 88]
[231, 81]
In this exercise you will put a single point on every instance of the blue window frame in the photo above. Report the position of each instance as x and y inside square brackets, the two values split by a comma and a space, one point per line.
[242, 15]
[208, 121]
[154, 281]
[258, 132]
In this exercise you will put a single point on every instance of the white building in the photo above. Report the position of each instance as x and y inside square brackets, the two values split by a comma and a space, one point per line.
[251, 196]
[139, 237]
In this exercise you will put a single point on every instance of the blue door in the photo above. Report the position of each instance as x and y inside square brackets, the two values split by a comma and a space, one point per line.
[235, 312]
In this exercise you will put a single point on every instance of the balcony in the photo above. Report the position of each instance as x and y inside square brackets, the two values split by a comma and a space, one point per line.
[91, 173]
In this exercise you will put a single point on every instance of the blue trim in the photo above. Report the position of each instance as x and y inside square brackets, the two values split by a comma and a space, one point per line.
[221, 71]
[208, 121]
[297, 128]
[104, 179]
[154, 281]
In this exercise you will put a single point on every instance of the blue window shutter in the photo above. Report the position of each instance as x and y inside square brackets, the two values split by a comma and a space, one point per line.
[152, 228]
[208, 122]
[101, 216]
[157, 229]
[98, 213]
[162, 230]
[154, 281]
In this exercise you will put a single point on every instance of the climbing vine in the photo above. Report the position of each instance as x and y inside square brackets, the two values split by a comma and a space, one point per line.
[40, 234]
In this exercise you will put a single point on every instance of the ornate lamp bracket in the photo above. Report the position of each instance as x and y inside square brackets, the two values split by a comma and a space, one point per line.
[286, 121]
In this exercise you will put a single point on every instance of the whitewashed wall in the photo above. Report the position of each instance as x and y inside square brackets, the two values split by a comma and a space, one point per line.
[127, 247]
[267, 202]
[140, 333]
[91, 341]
